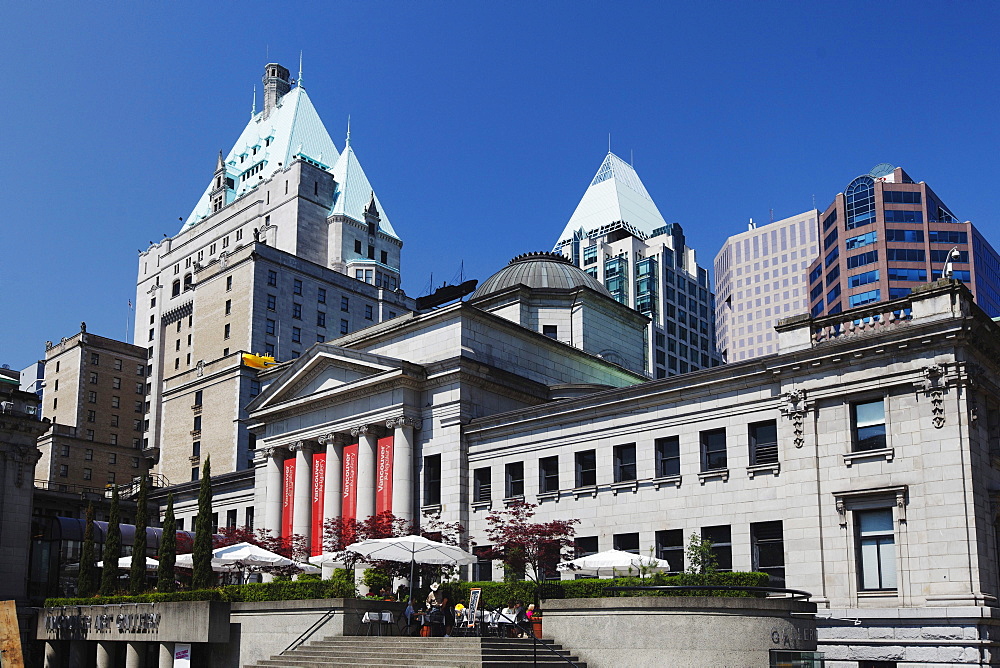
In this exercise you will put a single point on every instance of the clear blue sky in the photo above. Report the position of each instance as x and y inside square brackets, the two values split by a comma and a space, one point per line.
[479, 124]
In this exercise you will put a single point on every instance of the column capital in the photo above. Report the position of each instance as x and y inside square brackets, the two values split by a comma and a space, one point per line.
[270, 452]
[360, 430]
[301, 446]
[403, 421]
[333, 438]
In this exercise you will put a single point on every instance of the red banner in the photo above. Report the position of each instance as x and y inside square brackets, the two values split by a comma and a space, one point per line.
[288, 497]
[349, 505]
[318, 492]
[383, 481]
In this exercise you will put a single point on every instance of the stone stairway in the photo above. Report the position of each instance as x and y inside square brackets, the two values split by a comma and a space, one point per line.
[401, 652]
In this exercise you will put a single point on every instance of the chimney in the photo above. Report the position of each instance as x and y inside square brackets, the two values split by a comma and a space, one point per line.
[276, 85]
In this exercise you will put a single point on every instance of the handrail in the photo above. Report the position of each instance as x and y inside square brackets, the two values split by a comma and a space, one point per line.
[535, 640]
[794, 594]
[309, 631]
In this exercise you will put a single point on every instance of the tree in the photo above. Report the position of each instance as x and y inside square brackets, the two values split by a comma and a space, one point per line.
[85, 580]
[168, 550]
[112, 548]
[522, 544]
[203, 576]
[137, 574]
[701, 559]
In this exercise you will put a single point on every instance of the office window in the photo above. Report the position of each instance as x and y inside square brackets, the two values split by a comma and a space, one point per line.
[272, 302]
[269, 326]
[345, 304]
[111, 477]
[135, 462]
[548, 474]
[112, 458]
[92, 397]
[586, 468]
[722, 546]
[229, 282]
[114, 420]
[198, 396]
[670, 548]
[296, 311]
[625, 462]
[668, 459]
[249, 518]
[64, 450]
[713, 450]
[357, 246]
[369, 312]
[764, 442]
[229, 306]
[88, 454]
[627, 542]
[231, 518]
[768, 551]
[876, 549]
[321, 296]
[254, 387]
[482, 487]
[140, 388]
[90, 434]
[586, 545]
[432, 480]
[91, 416]
[320, 319]
[63, 471]
[296, 286]
[197, 423]
[88, 474]
[869, 425]
[344, 326]
[296, 335]
[226, 331]
[482, 569]
[272, 277]
[93, 378]
[514, 480]
[551, 331]
[194, 477]
[95, 358]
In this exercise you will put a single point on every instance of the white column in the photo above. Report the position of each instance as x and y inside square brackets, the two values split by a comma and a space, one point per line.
[52, 654]
[166, 655]
[402, 465]
[302, 511]
[105, 654]
[333, 498]
[135, 655]
[272, 503]
[367, 446]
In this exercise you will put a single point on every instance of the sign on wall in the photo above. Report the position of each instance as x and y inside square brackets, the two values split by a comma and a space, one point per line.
[318, 493]
[288, 497]
[182, 655]
[383, 483]
[350, 501]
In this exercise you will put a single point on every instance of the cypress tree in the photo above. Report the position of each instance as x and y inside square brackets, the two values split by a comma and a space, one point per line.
[203, 577]
[112, 549]
[137, 574]
[85, 580]
[168, 550]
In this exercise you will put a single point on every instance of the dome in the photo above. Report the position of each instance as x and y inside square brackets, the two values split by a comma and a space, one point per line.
[539, 270]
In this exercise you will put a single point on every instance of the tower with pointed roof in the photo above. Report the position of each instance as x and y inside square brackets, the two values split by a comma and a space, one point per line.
[287, 246]
[618, 235]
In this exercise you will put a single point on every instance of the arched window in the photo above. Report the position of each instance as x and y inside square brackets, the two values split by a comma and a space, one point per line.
[187, 281]
[176, 290]
[860, 197]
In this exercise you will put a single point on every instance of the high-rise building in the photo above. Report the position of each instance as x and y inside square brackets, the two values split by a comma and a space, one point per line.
[95, 396]
[617, 235]
[760, 278]
[885, 234]
[288, 245]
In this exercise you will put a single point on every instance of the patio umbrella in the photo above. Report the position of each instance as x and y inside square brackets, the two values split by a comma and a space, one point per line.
[328, 559]
[414, 549]
[614, 561]
[126, 562]
[245, 557]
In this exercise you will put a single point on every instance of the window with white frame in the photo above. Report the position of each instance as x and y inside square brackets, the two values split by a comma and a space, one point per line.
[876, 555]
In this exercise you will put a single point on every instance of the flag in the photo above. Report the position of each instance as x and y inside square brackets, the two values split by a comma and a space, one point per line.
[130, 303]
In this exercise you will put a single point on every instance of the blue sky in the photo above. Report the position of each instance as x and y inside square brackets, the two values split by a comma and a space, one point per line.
[479, 124]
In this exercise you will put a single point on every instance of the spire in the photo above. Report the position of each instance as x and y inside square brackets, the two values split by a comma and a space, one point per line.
[347, 142]
[221, 164]
[253, 105]
[299, 80]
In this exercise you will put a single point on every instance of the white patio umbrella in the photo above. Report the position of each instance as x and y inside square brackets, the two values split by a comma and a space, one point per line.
[414, 549]
[611, 562]
[126, 562]
[244, 557]
[328, 559]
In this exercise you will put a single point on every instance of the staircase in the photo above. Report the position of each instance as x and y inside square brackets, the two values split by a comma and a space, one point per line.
[400, 652]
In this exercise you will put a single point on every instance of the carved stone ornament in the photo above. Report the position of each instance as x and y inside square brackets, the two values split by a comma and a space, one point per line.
[933, 384]
[300, 446]
[795, 408]
[403, 421]
[153, 288]
[200, 368]
[332, 437]
[223, 259]
[842, 512]
[359, 430]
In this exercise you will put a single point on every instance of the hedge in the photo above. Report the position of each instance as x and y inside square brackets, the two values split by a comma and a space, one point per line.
[259, 591]
[499, 594]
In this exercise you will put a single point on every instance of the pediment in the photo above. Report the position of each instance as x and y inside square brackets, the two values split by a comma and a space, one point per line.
[322, 369]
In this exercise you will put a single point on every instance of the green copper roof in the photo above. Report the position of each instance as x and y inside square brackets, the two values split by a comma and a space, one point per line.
[354, 191]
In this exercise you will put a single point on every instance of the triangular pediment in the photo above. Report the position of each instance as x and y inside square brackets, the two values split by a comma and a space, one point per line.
[323, 370]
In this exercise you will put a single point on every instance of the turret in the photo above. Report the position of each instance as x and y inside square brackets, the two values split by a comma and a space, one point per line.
[276, 85]
[217, 196]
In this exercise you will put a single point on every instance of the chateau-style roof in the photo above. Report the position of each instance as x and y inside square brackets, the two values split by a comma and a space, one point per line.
[539, 270]
[354, 192]
[615, 194]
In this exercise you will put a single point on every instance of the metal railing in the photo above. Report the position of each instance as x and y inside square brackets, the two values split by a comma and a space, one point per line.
[305, 635]
[794, 594]
[528, 628]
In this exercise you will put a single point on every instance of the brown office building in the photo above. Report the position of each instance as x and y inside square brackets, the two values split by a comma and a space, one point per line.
[885, 235]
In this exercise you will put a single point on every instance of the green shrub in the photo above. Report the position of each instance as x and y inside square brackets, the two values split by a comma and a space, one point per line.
[261, 591]
[376, 580]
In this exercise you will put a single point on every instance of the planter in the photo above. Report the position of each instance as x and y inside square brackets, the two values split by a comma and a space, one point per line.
[536, 625]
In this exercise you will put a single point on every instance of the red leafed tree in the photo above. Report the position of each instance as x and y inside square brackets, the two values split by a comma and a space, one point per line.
[522, 544]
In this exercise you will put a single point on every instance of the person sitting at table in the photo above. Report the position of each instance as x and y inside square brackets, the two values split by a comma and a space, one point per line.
[408, 613]
[433, 598]
[449, 614]
[519, 618]
[506, 620]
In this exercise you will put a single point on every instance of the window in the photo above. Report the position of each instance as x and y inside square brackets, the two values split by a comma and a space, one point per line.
[764, 442]
[114, 420]
[91, 416]
[767, 547]
[904, 216]
[863, 298]
[514, 480]
[135, 462]
[900, 197]
[865, 278]
[860, 241]
[229, 306]
[63, 471]
[88, 454]
[64, 450]
[138, 407]
[321, 295]
[906, 236]
[226, 331]
[948, 237]
[249, 517]
[296, 335]
[272, 302]
[95, 358]
[140, 388]
[320, 319]
[860, 200]
[713, 450]
[625, 462]
[482, 485]
[272, 277]
[231, 518]
[344, 325]
[197, 423]
[586, 545]
[254, 387]
[92, 397]
[627, 542]
[551, 331]
[369, 312]
[906, 254]
[296, 311]
[140, 369]
[869, 425]
[269, 326]
[482, 569]
[296, 286]
[548, 474]
[586, 468]
[229, 283]
[194, 477]
[90, 434]
[941, 256]
[88, 474]
[137, 425]
[722, 546]
[198, 396]
[432, 480]
[876, 549]
[345, 304]
[113, 458]
[670, 548]
[93, 378]
[862, 259]
[357, 246]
